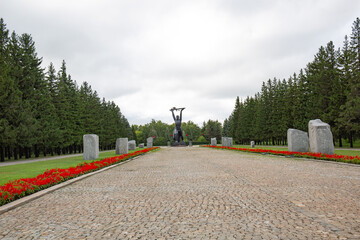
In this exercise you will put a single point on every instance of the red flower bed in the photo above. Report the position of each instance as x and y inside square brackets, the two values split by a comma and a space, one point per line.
[322, 156]
[21, 187]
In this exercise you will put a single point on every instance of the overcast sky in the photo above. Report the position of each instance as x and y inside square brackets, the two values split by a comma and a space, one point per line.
[149, 56]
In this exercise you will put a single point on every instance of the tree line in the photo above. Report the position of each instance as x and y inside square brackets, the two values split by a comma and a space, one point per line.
[163, 132]
[44, 111]
[327, 88]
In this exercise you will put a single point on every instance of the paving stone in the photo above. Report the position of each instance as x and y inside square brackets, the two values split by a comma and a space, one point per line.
[198, 193]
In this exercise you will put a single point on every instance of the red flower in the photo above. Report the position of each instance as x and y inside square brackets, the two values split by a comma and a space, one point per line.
[334, 157]
[18, 188]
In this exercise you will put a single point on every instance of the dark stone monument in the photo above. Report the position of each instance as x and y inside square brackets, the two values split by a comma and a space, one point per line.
[178, 134]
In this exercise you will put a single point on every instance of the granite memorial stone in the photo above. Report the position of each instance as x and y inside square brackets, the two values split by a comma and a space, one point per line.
[122, 146]
[141, 145]
[213, 142]
[224, 141]
[149, 142]
[320, 137]
[252, 144]
[91, 146]
[230, 141]
[227, 141]
[298, 141]
[132, 145]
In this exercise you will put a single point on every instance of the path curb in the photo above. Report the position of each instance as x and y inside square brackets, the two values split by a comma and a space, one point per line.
[29, 198]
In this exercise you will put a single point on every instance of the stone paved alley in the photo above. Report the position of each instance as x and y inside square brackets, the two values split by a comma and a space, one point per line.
[199, 193]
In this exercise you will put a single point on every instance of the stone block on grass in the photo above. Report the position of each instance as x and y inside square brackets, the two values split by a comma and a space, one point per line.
[132, 145]
[122, 146]
[213, 142]
[226, 141]
[252, 144]
[298, 141]
[141, 145]
[149, 142]
[230, 141]
[320, 137]
[91, 146]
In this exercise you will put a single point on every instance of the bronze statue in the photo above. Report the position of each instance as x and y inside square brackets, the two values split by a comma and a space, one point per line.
[177, 131]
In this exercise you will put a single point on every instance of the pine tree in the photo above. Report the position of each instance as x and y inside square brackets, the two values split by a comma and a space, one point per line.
[213, 129]
[301, 102]
[233, 119]
[25, 71]
[10, 97]
[226, 127]
[259, 119]
[350, 116]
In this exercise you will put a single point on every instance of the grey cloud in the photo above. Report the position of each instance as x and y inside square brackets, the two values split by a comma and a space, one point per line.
[151, 55]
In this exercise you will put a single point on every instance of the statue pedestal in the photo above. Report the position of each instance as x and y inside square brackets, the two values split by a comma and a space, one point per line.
[179, 144]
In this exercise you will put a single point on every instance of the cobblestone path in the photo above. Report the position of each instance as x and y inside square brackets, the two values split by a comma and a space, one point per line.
[199, 193]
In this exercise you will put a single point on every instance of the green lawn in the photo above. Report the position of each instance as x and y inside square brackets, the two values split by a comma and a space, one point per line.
[33, 169]
[346, 143]
[284, 148]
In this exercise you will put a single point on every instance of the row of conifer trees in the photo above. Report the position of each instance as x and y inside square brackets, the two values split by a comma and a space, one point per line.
[44, 111]
[327, 88]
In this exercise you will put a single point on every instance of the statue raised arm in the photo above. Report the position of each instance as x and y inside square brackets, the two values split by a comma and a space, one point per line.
[181, 109]
[172, 111]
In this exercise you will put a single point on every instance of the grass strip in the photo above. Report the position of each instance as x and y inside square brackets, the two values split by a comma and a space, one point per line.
[32, 169]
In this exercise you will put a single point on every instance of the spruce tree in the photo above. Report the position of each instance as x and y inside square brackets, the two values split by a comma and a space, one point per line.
[350, 115]
[10, 97]
[233, 119]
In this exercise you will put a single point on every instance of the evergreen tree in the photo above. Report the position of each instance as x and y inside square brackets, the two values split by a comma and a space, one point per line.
[328, 84]
[10, 97]
[226, 127]
[213, 129]
[45, 111]
[233, 119]
[350, 115]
